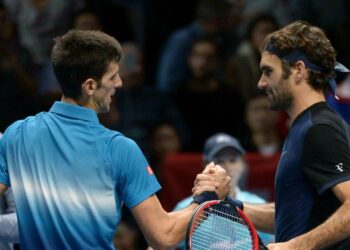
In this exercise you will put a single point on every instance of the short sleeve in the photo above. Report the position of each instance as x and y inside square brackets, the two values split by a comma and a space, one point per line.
[326, 158]
[134, 177]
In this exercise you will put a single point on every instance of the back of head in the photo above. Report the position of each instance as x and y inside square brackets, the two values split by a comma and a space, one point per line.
[302, 40]
[217, 142]
[79, 55]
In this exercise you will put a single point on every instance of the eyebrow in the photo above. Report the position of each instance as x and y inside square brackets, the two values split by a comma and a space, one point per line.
[265, 67]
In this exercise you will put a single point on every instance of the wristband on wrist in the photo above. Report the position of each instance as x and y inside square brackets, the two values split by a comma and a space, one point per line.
[235, 202]
[205, 196]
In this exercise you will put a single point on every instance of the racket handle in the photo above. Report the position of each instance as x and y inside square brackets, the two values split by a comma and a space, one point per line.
[205, 196]
[235, 202]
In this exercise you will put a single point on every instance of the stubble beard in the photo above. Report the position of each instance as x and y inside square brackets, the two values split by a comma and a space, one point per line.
[283, 99]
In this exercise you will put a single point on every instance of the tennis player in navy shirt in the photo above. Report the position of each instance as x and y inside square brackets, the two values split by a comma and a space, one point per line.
[312, 185]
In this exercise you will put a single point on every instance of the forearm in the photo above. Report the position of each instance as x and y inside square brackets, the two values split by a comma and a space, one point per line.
[9, 228]
[333, 230]
[181, 220]
[262, 216]
[162, 230]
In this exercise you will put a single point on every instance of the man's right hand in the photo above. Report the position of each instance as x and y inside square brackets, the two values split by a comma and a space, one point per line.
[213, 178]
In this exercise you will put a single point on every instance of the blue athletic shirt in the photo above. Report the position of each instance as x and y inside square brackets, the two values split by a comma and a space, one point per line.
[315, 158]
[70, 176]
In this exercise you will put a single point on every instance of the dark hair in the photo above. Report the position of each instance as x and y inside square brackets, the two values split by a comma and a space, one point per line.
[79, 55]
[209, 9]
[312, 42]
[262, 17]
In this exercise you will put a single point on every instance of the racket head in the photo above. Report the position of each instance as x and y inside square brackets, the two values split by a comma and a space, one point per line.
[219, 225]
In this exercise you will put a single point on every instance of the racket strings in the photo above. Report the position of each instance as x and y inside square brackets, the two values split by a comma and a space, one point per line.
[221, 229]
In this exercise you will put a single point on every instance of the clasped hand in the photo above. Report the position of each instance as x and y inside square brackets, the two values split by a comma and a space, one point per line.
[213, 178]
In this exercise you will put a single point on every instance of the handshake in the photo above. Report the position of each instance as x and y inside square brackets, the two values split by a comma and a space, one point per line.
[213, 184]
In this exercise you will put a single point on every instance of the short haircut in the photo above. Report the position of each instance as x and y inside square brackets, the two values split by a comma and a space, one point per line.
[310, 41]
[79, 55]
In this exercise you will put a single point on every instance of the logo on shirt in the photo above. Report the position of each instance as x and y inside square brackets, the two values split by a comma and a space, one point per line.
[339, 167]
[149, 170]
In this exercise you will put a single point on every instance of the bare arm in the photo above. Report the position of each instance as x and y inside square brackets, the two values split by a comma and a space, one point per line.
[164, 230]
[262, 216]
[333, 230]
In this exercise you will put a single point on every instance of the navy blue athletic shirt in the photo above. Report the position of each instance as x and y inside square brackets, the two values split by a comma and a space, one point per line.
[315, 158]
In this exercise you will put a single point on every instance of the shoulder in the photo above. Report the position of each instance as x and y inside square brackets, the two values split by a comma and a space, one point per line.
[326, 115]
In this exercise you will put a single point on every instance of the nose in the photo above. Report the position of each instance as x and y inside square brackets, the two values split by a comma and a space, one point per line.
[118, 82]
[262, 83]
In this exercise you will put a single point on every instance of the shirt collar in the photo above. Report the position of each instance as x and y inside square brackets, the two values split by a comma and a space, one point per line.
[74, 111]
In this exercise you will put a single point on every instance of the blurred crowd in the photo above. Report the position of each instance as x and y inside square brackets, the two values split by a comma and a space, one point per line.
[189, 68]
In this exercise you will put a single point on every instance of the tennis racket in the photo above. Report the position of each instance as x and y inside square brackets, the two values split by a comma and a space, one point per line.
[218, 225]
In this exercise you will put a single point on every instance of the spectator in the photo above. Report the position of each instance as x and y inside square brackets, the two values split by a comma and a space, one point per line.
[203, 98]
[165, 140]
[87, 19]
[211, 20]
[226, 151]
[40, 21]
[243, 70]
[264, 135]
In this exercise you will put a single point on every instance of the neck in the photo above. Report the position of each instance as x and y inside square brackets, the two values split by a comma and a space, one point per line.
[79, 102]
[304, 98]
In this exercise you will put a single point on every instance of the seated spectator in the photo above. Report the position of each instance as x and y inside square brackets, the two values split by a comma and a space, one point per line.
[226, 151]
[164, 141]
[203, 99]
[211, 19]
[264, 135]
[243, 71]
[39, 22]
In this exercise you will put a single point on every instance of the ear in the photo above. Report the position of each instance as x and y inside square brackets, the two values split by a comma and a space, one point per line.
[88, 87]
[301, 71]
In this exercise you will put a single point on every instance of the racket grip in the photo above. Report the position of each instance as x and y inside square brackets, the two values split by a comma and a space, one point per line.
[235, 202]
[205, 196]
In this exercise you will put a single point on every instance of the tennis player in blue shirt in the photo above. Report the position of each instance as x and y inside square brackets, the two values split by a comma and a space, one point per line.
[70, 175]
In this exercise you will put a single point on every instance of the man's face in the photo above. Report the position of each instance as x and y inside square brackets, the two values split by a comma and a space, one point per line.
[260, 118]
[109, 82]
[203, 60]
[232, 162]
[277, 88]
